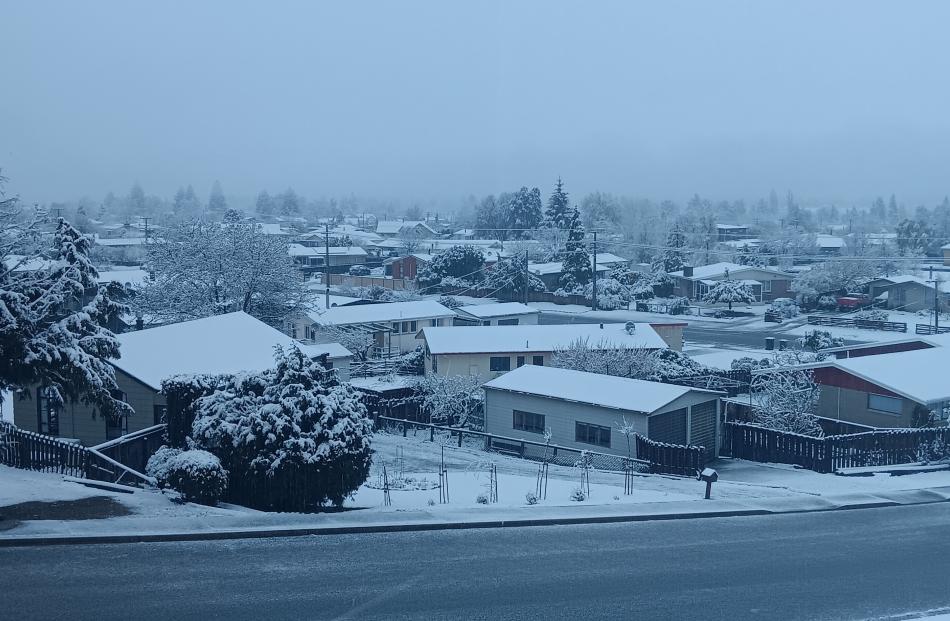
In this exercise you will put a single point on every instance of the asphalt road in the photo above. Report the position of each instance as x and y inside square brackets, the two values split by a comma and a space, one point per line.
[869, 563]
[693, 334]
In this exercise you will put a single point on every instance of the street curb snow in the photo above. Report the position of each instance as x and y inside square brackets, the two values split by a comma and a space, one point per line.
[7, 542]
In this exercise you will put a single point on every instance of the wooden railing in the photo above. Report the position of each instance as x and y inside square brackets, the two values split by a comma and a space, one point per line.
[863, 324]
[133, 449]
[664, 458]
[926, 328]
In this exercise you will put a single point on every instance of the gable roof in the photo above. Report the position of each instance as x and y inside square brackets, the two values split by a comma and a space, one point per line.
[714, 270]
[484, 311]
[298, 250]
[619, 393]
[557, 267]
[536, 338]
[919, 375]
[229, 343]
[392, 227]
[373, 313]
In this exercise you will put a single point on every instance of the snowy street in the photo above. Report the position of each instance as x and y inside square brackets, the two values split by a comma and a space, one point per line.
[808, 566]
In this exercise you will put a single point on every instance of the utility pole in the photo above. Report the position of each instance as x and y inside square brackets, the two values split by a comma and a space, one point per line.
[524, 293]
[593, 297]
[936, 301]
[326, 263]
[146, 219]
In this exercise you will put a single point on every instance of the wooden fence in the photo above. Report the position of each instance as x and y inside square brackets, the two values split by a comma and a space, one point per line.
[926, 328]
[28, 450]
[883, 447]
[679, 459]
[863, 324]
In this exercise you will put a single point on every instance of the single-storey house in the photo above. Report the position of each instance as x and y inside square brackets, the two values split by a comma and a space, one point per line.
[585, 410]
[501, 314]
[314, 259]
[492, 350]
[731, 232]
[694, 282]
[393, 324]
[898, 389]
[408, 266]
[911, 293]
[550, 273]
[228, 343]
[395, 228]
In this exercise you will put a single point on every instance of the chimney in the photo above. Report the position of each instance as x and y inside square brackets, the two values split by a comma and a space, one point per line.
[601, 326]
[688, 271]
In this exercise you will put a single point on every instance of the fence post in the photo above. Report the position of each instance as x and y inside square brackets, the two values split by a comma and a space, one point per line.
[460, 438]
[431, 432]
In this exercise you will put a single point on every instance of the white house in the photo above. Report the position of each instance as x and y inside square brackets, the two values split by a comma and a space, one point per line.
[492, 350]
[313, 259]
[503, 314]
[393, 324]
[766, 283]
[394, 228]
[584, 410]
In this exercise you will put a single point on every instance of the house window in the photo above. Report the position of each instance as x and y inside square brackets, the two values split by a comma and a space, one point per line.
[537, 361]
[527, 421]
[520, 361]
[591, 434]
[116, 426]
[395, 327]
[47, 411]
[766, 286]
[412, 326]
[499, 363]
[880, 403]
[486, 323]
[159, 414]
[508, 322]
[435, 364]
[433, 322]
[405, 326]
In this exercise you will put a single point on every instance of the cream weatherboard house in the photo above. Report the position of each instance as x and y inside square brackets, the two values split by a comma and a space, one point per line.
[228, 343]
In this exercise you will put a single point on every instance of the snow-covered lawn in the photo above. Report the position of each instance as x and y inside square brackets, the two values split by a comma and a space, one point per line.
[722, 357]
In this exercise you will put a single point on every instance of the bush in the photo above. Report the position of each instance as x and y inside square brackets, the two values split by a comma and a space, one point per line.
[827, 302]
[531, 498]
[678, 306]
[482, 499]
[449, 302]
[157, 466]
[785, 308]
[198, 476]
[359, 270]
[578, 495]
[747, 363]
[873, 314]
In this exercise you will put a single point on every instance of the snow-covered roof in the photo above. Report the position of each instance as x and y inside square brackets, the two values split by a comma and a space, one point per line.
[392, 227]
[123, 277]
[739, 243]
[228, 343]
[606, 257]
[919, 375]
[943, 285]
[485, 311]
[297, 250]
[829, 241]
[619, 393]
[714, 270]
[332, 350]
[731, 227]
[380, 313]
[20, 263]
[537, 338]
[557, 267]
[271, 229]
[120, 241]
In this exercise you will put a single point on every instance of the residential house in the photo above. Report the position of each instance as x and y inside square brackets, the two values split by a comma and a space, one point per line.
[584, 410]
[731, 232]
[408, 266]
[502, 314]
[119, 250]
[228, 343]
[314, 259]
[911, 293]
[489, 351]
[393, 324]
[766, 283]
[550, 273]
[829, 245]
[396, 228]
[946, 253]
[889, 390]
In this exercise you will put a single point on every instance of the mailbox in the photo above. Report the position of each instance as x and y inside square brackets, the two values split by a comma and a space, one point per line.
[710, 476]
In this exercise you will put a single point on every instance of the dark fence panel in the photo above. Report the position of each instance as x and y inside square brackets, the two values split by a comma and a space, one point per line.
[883, 447]
[864, 324]
[679, 459]
[926, 328]
[33, 451]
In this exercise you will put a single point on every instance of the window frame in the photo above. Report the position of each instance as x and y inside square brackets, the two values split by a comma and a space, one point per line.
[537, 361]
[519, 362]
[46, 413]
[493, 359]
[900, 404]
[586, 438]
[524, 426]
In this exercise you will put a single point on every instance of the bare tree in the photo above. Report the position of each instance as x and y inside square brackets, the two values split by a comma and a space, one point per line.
[786, 400]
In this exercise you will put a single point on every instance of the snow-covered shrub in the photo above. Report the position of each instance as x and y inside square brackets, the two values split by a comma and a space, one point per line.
[578, 495]
[747, 363]
[294, 436]
[531, 498]
[359, 270]
[827, 302]
[198, 476]
[157, 465]
[729, 291]
[872, 314]
[482, 499]
[430, 502]
[784, 307]
[787, 401]
[817, 340]
[611, 294]
[449, 302]
[672, 364]
[677, 306]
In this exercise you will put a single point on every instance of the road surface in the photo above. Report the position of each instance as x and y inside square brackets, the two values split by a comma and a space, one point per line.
[694, 334]
[869, 563]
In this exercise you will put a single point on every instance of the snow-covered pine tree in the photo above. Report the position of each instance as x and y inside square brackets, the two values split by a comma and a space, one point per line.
[577, 265]
[524, 212]
[674, 255]
[462, 264]
[216, 201]
[507, 277]
[557, 215]
[728, 291]
[53, 314]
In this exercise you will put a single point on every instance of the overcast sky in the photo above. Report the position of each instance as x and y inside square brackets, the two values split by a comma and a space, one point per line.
[838, 101]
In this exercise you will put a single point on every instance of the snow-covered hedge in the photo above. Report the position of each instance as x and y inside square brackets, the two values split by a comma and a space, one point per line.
[872, 314]
[784, 307]
[157, 466]
[197, 475]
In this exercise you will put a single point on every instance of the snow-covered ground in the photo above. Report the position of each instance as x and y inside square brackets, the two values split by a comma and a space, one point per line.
[722, 357]
[6, 406]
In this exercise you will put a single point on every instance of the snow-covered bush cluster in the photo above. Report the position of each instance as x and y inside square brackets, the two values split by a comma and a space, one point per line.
[786, 401]
[872, 314]
[292, 438]
[449, 302]
[157, 465]
[531, 498]
[578, 495]
[817, 340]
[677, 306]
[611, 294]
[786, 308]
[482, 499]
[198, 476]
[359, 270]
[459, 266]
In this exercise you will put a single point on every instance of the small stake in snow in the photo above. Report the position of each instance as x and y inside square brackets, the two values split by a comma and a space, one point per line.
[710, 476]
[443, 480]
[493, 484]
[387, 501]
[627, 477]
